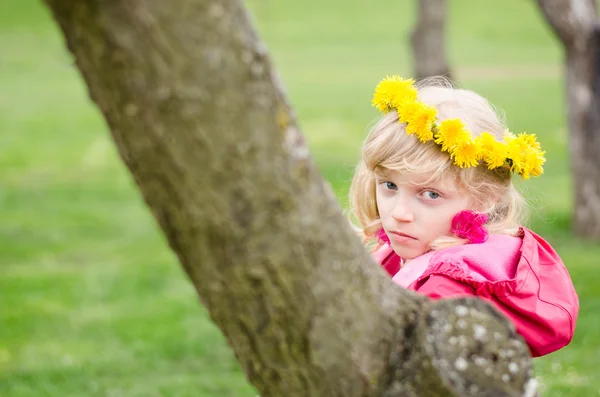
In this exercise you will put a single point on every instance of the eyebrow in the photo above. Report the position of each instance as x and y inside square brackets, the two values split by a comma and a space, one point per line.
[424, 183]
[421, 181]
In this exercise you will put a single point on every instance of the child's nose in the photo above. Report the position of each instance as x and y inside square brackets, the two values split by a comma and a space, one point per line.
[402, 211]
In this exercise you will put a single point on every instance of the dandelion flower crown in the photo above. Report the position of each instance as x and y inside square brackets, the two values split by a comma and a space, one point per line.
[521, 153]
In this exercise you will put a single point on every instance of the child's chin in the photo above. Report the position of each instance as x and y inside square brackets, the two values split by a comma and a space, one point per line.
[407, 253]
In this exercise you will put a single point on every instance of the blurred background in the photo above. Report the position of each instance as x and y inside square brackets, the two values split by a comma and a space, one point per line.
[92, 302]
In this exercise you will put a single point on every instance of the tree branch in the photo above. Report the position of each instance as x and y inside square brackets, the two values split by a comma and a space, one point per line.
[428, 40]
[572, 20]
[576, 24]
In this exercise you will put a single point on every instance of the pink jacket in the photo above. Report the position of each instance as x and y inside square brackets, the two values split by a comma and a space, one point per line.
[522, 276]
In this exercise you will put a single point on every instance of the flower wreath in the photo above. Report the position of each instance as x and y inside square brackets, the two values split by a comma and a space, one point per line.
[521, 153]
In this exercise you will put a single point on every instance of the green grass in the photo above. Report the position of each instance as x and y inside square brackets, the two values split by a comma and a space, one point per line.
[92, 303]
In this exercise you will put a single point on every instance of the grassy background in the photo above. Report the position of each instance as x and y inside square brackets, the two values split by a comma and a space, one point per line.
[92, 303]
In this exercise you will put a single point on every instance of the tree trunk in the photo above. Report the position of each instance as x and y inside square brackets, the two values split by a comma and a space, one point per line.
[428, 40]
[575, 23]
[201, 122]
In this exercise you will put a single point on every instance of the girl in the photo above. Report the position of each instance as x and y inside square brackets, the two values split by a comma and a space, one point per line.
[433, 193]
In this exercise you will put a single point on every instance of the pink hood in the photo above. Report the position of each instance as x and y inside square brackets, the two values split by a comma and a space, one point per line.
[522, 276]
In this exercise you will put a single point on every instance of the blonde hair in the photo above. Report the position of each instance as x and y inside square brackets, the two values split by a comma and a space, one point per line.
[389, 148]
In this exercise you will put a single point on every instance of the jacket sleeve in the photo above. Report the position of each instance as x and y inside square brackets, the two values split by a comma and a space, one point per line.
[545, 326]
[544, 330]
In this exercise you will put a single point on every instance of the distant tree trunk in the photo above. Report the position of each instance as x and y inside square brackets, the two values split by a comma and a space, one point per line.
[428, 40]
[195, 109]
[575, 22]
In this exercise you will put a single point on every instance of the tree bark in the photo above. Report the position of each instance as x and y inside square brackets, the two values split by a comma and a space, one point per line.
[200, 120]
[428, 40]
[575, 23]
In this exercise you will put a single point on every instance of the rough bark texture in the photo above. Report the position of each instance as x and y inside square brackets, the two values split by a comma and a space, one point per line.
[428, 40]
[575, 22]
[199, 119]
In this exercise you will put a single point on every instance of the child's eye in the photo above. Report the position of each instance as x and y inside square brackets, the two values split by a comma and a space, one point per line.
[389, 185]
[431, 195]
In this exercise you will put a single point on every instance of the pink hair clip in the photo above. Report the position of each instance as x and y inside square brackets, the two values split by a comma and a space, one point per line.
[470, 226]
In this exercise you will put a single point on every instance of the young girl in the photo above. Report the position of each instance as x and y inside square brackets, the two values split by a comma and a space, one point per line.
[433, 193]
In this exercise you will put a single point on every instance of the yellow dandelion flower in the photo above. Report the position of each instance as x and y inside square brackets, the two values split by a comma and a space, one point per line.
[404, 91]
[450, 133]
[532, 163]
[406, 110]
[493, 152]
[509, 137]
[529, 139]
[393, 91]
[515, 153]
[526, 155]
[467, 153]
[421, 121]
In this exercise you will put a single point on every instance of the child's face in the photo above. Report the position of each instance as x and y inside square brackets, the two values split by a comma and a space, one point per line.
[414, 215]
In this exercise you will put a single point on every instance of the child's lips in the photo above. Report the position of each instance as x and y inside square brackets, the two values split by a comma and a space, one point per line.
[403, 236]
